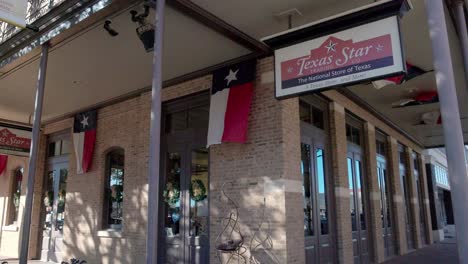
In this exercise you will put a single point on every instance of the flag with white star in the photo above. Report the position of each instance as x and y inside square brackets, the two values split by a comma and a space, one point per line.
[84, 138]
[231, 96]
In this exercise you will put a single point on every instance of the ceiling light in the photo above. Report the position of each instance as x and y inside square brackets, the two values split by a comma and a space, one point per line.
[145, 30]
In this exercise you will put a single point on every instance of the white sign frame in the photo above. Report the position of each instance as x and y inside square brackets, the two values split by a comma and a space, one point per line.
[369, 31]
[14, 12]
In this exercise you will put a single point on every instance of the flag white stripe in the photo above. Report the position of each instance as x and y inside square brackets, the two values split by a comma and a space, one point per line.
[217, 113]
[78, 144]
[382, 83]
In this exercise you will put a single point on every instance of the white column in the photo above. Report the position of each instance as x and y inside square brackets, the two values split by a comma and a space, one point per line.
[155, 139]
[453, 134]
[26, 223]
[463, 33]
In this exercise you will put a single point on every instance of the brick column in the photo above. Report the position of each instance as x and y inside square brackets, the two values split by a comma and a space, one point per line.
[414, 201]
[340, 181]
[266, 167]
[397, 198]
[425, 190]
[377, 243]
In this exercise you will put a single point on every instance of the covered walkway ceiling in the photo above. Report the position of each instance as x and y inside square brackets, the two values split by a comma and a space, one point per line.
[93, 67]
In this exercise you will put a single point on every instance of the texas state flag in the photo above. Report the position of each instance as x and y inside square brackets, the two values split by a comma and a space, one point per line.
[84, 137]
[231, 96]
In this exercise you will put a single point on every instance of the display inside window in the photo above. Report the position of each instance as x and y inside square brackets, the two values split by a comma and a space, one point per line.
[115, 189]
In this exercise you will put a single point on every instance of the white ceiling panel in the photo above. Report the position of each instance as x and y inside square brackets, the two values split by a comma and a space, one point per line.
[95, 67]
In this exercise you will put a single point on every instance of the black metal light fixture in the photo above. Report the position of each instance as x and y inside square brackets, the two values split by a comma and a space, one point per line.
[145, 30]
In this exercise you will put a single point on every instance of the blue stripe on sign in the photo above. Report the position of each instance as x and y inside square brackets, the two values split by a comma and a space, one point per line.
[340, 72]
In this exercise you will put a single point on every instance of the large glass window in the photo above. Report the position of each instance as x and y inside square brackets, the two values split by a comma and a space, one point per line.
[114, 189]
[306, 190]
[15, 197]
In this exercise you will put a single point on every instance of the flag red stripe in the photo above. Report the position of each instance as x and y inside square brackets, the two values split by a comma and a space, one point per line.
[3, 163]
[88, 149]
[237, 113]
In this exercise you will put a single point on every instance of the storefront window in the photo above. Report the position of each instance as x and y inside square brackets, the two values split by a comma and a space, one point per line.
[15, 197]
[115, 188]
[306, 190]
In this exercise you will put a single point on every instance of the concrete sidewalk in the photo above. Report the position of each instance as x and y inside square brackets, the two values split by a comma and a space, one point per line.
[442, 252]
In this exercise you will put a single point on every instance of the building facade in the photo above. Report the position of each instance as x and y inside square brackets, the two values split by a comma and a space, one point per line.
[326, 180]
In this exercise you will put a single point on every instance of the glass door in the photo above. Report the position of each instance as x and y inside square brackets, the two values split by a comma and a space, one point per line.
[358, 208]
[385, 207]
[318, 231]
[185, 205]
[316, 214]
[54, 212]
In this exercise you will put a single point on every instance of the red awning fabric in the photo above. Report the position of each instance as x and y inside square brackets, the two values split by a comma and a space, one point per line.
[3, 163]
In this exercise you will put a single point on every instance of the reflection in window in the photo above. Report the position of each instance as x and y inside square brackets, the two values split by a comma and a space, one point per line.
[352, 201]
[306, 192]
[171, 195]
[360, 194]
[114, 190]
[15, 197]
[322, 191]
[199, 189]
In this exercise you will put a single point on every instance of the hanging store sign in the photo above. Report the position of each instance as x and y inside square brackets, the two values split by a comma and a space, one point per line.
[367, 52]
[14, 12]
[14, 140]
[357, 46]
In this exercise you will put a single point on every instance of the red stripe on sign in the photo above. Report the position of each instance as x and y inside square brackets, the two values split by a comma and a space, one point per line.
[237, 113]
[88, 149]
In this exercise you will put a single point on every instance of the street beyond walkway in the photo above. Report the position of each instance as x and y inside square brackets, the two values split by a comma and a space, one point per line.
[444, 252]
